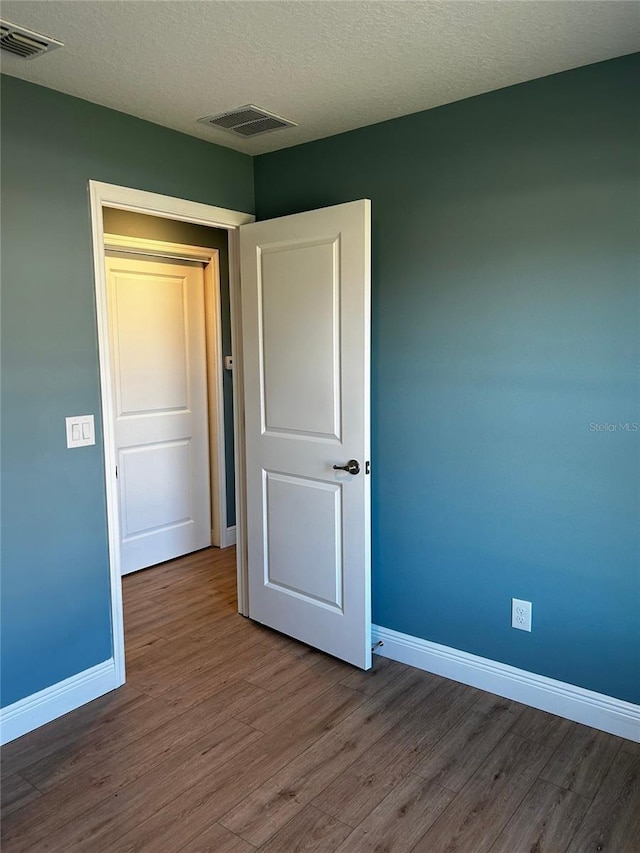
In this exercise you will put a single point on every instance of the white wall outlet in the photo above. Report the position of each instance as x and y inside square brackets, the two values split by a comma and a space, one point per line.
[520, 614]
[80, 431]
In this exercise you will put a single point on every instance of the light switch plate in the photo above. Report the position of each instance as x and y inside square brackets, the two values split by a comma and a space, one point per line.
[80, 431]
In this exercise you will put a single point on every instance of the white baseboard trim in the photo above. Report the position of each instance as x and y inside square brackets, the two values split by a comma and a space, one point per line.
[228, 537]
[566, 700]
[33, 711]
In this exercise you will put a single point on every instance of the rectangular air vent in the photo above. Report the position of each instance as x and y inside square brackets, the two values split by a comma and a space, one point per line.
[248, 121]
[25, 43]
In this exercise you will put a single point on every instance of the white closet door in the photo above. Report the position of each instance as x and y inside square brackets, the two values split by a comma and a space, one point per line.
[157, 332]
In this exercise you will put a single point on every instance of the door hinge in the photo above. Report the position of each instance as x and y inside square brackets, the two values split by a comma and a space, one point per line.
[116, 472]
[367, 467]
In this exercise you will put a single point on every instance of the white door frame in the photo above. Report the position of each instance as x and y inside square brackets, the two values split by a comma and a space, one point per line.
[139, 201]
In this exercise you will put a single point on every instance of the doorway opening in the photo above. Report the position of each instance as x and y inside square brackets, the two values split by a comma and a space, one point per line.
[170, 335]
[184, 348]
[146, 225]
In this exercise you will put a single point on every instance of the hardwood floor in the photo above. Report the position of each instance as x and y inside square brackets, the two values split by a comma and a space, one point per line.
[230, 738]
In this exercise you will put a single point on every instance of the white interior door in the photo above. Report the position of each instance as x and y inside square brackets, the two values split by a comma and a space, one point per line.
[306, 341]
[158, 362]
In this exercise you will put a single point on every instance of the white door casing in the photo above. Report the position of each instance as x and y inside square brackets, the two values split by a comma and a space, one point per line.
[158, 363]
[306, 344]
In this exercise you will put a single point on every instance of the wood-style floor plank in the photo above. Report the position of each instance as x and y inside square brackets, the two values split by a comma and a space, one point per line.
[193, 666]
[231, 738]
[542, 727]
[66, 730]
[273, 804]
[112, 771]
[357, 791]
[274, 708]
[118, 733]
[612, 823]
[280, 670]
[16, 792]
[178, 655]
[476, 816]
[582, 760]
[217, 839]
[379, 677]
[142, 643]
[193, 810]
[401, 819]
[102, 824]
[456, 756]
[631, 747]
[311, 831]
[545, 821]
[185, 692]
[84, 817]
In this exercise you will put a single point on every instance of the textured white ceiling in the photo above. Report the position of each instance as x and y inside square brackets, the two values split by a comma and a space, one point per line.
[330, 65]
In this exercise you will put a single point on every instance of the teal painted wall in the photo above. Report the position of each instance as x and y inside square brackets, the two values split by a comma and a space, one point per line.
[55, 582]
[157, 228]
[506, 277]
[505, 321]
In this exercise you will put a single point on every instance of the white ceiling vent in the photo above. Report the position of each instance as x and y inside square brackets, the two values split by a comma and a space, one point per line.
[248, 121]
[25, 43]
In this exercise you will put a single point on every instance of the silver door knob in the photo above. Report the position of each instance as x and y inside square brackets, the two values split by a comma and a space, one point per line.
[352, 467]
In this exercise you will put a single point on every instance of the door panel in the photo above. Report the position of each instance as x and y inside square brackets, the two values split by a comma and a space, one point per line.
[299, 299]
[303, 531]
[305, 328]
[156, 326]
[157, 492]
[150, 315]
